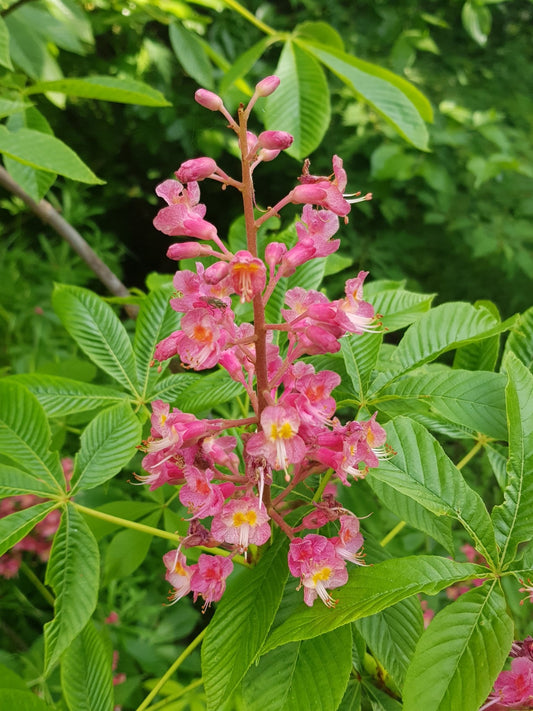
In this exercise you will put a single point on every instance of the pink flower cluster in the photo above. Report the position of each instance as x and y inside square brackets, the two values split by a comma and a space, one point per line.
[513, 689]
[38, 542]
[292, 432]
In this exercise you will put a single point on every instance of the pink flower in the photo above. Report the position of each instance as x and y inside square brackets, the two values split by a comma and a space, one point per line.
[322, 190]
[275, 140]
[209, 578]
[349, 540]
[184, 215]
[248, 275]
[314, 560]
[513, 689]
[178, 574]
[200, 496]
[241, 522]
[278, 441]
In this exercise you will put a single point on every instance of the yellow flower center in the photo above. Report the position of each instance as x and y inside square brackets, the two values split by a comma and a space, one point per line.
[241, 517]
[321, 575]
[283, 432]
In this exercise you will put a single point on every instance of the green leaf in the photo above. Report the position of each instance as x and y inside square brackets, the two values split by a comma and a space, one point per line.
[128, 549]
[443, 329]
[422, 471]
[369, 590]
[472, 399]
[310, 273]
[394, 98]
[321, 32]
[171, 388]
[107, 445]
[191, 55]
[407, 508]
[482, 355]
[351, 701]
[45, 152]
[303, 675]
[209, 391]
[512, 520]
[73, 572]
[243, 64]
[156, 320]
[25, 436]
[16, 526]
[14, 482]
[301, 103]
[8, 107]
[121, 91]
[399, 308]
[520, 341]
[10, 680]
[241, 622]
[5, 58]
[460, 654]
[86, 678]
[477, 21]
[29, 51]
[23, 700]
[360, 353]
[392, 635]
[98, 332]
[61, 396]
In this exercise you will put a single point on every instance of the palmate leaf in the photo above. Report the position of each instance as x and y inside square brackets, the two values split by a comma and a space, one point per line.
[16, 526]
[62, 396]
[398, 307]
[368, 590]
[241, 622]
[312, 674]
[394, 98]
[512, 520]
[422, 471]
[460, 654]
[45, 152]
[86, 677]
[475, 400]
[215, 389]
[301, 103]
[107, 444]
[98, 332]
[170, 388]
[156, 320]
[73, 572]
[482, 355]
[25, 436]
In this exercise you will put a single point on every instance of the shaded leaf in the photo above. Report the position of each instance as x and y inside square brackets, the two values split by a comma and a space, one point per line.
[14, 482]
[520, 341]
[16, 526]
[360, 353]
[191, 55]
[209, 391]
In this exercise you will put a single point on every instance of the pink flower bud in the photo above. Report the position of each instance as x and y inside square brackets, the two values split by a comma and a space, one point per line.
[251, 141]
[308, 194]
[195, 169]
[208, 100]
[274, 253]
[267, 85]
[275, 140]
[188, 250]
[267, 156]
[216, 272]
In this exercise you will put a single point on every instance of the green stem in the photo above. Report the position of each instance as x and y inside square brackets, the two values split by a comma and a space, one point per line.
[171, 670]
[234, 5]
[390, 535]
[151, 531]
[28, 572]
[169, 699]
[471, 454]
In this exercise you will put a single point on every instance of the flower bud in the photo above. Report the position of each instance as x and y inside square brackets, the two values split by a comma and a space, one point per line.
[309, 194]
[188, 250]
[216, 272]
[267, 85]
[274, 252]
[251, 141]
[275, 140]
[267, 156]
[195, 169]
[208, 100]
